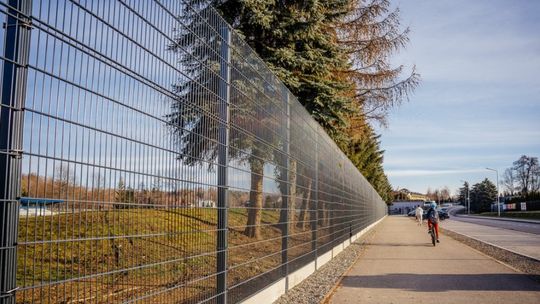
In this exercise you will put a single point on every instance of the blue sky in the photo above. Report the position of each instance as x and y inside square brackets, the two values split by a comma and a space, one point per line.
[479, 102]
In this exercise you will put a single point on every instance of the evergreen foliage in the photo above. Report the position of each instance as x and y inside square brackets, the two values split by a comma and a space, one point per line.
[297, 41]
[123, 197]
[531, 196]
[463, 192]
[365, 153]
[334, 56]
[482, 195]
[202, 88]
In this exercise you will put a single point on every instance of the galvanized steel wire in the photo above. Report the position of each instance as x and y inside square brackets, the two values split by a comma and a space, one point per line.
[134, 134]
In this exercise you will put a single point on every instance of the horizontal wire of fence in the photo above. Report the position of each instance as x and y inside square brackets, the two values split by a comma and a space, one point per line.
[148, 154]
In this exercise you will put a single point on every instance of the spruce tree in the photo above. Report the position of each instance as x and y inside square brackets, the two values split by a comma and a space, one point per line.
[334, 57]
[365, 153]
[296, 39]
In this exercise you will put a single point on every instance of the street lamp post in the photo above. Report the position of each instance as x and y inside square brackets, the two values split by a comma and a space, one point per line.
[468, 198]
[498, 203]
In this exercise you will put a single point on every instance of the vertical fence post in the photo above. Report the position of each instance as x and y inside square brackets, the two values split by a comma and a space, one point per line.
[315, 197]
[17, 37]
[286, 133]
[223, 162]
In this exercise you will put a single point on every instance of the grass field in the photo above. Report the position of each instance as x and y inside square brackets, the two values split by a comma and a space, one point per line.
[119, 254]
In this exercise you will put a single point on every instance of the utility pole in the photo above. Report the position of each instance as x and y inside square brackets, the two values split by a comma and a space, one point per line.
[468, 197]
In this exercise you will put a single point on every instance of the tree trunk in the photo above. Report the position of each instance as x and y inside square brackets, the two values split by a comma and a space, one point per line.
[324, 215]
[302, 221]
[292, 196]
[289, 208]
[253, 228]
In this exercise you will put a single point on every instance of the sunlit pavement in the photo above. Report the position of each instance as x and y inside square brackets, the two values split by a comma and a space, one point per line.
[517, 241]
[401, 266]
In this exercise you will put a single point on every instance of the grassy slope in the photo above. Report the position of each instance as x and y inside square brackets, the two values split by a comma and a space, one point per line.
[141, 250]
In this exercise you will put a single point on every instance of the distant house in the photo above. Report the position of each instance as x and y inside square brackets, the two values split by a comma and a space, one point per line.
[37, 206]
[206, 204]
[406, 201]
[404, 207]
[406, 195]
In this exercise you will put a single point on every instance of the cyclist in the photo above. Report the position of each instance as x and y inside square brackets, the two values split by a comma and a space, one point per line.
[433, 219]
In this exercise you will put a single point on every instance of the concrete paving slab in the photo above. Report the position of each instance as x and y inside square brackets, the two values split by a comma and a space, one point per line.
[401, 266]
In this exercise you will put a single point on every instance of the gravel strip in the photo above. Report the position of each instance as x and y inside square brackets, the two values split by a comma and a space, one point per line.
[522, 263]
[317, 286]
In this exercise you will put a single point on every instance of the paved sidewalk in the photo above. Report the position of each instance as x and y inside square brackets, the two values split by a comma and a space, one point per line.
[401, 266]
[517, 241]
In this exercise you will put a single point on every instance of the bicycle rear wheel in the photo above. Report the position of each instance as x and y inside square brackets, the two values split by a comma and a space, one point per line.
[432, 233]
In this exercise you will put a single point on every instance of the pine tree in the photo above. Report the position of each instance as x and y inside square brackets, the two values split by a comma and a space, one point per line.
[335, 63]
[292, 38]
[464, 193]
[365, 153]
[332, 55]
[482, 195]
[192, 116]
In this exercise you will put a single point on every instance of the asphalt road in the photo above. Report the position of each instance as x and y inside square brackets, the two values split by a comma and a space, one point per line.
[510, 225]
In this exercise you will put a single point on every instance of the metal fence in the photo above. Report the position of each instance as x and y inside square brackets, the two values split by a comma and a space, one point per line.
[148, 154]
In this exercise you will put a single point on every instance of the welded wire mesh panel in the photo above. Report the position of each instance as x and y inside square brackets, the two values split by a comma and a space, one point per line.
[159, 153]
[117, 205]
[303, 172]
[256, 167]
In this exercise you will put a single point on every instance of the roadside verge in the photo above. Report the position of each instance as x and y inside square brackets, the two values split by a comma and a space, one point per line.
[523, 263]
[319, 285]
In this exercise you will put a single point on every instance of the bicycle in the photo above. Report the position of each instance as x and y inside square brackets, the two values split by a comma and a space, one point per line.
[433, 236]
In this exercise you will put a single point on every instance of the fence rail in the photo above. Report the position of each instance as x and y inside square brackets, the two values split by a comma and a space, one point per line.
[148, 154]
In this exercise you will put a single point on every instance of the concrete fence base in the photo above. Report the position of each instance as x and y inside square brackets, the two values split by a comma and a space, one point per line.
[277, 289]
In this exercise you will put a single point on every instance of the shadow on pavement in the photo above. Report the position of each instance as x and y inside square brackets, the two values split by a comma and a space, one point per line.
[444, 282]
[427, 244]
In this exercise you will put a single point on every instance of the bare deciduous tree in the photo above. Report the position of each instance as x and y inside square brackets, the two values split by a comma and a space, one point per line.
[509, 181]
[527, 172]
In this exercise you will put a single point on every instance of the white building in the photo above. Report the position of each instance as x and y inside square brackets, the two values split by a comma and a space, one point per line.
[206, 204]
[404, 207]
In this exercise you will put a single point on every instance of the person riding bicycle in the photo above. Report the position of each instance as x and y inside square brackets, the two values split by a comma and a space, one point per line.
[433, 219]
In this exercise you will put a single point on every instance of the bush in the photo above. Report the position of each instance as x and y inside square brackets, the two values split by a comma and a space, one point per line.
[534, 196]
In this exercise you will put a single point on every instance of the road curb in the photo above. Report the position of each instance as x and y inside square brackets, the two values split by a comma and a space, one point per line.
[521, 262]
[506, 219]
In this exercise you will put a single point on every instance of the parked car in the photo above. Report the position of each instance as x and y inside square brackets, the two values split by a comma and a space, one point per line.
[443, 214]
